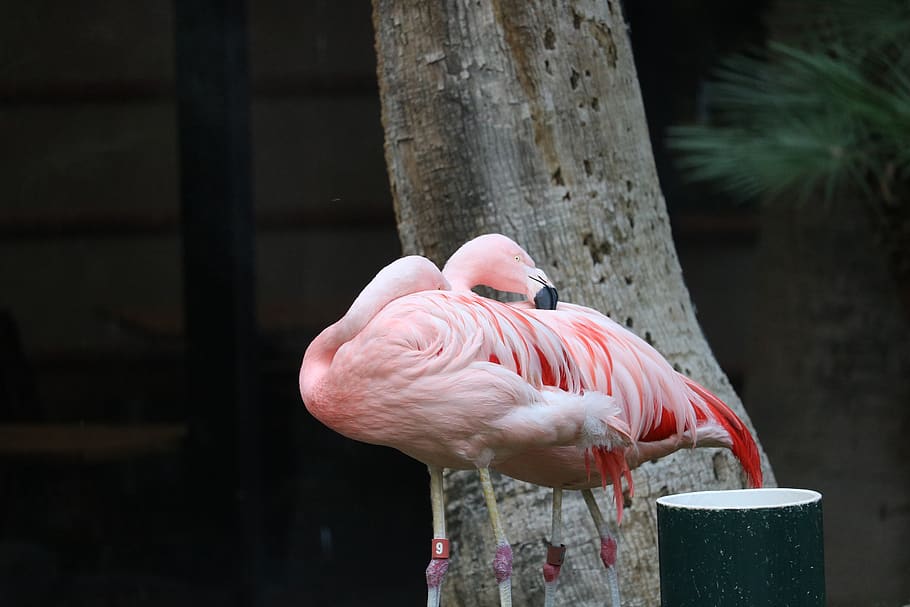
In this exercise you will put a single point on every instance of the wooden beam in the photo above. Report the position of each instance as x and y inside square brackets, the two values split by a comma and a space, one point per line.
[213, 104]
[75, 443]
[27, 225]
[55, 95]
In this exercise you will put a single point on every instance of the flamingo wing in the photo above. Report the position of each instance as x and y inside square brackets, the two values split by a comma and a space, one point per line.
[489, 380]
[665, 410]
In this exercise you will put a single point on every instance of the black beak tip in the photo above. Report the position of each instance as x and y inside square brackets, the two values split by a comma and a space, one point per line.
[546, 298]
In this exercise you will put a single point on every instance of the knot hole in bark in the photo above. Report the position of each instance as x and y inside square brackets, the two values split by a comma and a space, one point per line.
[719, 465]
[604, 36]
[549, 40]
[598, 250]
[557, 177]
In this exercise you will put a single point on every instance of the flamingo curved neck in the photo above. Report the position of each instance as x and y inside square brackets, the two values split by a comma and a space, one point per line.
[463, 272]
[319, 355]
[402, 277]
[460, 280]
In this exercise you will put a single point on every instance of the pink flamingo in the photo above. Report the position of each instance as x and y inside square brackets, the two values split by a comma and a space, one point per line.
[454, 380]
[665, 410]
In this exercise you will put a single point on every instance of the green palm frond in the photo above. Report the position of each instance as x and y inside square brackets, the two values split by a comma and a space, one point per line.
[805, 120]
[748, 163]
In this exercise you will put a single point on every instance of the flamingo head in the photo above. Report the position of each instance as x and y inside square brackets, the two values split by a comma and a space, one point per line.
[496, 261]
[411, 274]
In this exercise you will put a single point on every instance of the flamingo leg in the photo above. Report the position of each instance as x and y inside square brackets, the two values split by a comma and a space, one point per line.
[607, 544]
[556, 552]
[502, 562]
[439, 550]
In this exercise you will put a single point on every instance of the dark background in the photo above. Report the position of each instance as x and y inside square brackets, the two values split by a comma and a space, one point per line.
[173, 235]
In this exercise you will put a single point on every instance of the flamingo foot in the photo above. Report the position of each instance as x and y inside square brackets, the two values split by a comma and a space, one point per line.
[502, 567]
[436, 572]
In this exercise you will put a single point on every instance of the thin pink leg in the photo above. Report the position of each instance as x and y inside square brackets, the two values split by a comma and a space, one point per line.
[439, 549]
[502, 561]
[556, 552]
[608, 546]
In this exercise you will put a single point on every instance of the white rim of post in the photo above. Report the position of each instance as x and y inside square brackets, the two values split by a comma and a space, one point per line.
[741, 499]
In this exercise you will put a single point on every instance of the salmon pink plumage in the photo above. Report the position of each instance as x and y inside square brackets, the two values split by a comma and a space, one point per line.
[468, 367]
[456, 380]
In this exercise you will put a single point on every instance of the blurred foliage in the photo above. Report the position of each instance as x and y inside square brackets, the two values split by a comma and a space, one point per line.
[827, 109]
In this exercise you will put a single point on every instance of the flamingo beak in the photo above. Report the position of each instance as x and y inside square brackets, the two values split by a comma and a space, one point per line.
[547, 297]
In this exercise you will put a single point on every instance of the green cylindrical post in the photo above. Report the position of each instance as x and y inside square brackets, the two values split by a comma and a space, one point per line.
[755, 547]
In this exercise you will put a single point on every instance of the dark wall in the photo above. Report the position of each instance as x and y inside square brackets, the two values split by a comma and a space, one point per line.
[91, 292]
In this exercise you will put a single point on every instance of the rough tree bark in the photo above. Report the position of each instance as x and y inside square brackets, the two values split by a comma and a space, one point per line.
[525, 117]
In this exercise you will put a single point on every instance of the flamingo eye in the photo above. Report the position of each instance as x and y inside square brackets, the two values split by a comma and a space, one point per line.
[518, 258]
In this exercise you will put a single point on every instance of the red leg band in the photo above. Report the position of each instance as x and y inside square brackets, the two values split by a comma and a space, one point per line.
[556, 555]
[439, 549]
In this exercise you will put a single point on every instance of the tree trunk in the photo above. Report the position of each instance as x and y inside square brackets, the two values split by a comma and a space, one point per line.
[828, 386]
[525, 117]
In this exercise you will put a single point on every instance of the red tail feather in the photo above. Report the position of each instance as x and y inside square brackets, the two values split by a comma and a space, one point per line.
[614, 465]
[744, 447]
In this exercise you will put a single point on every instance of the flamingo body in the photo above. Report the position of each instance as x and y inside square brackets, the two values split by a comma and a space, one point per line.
[422, 364]
[454, 380]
